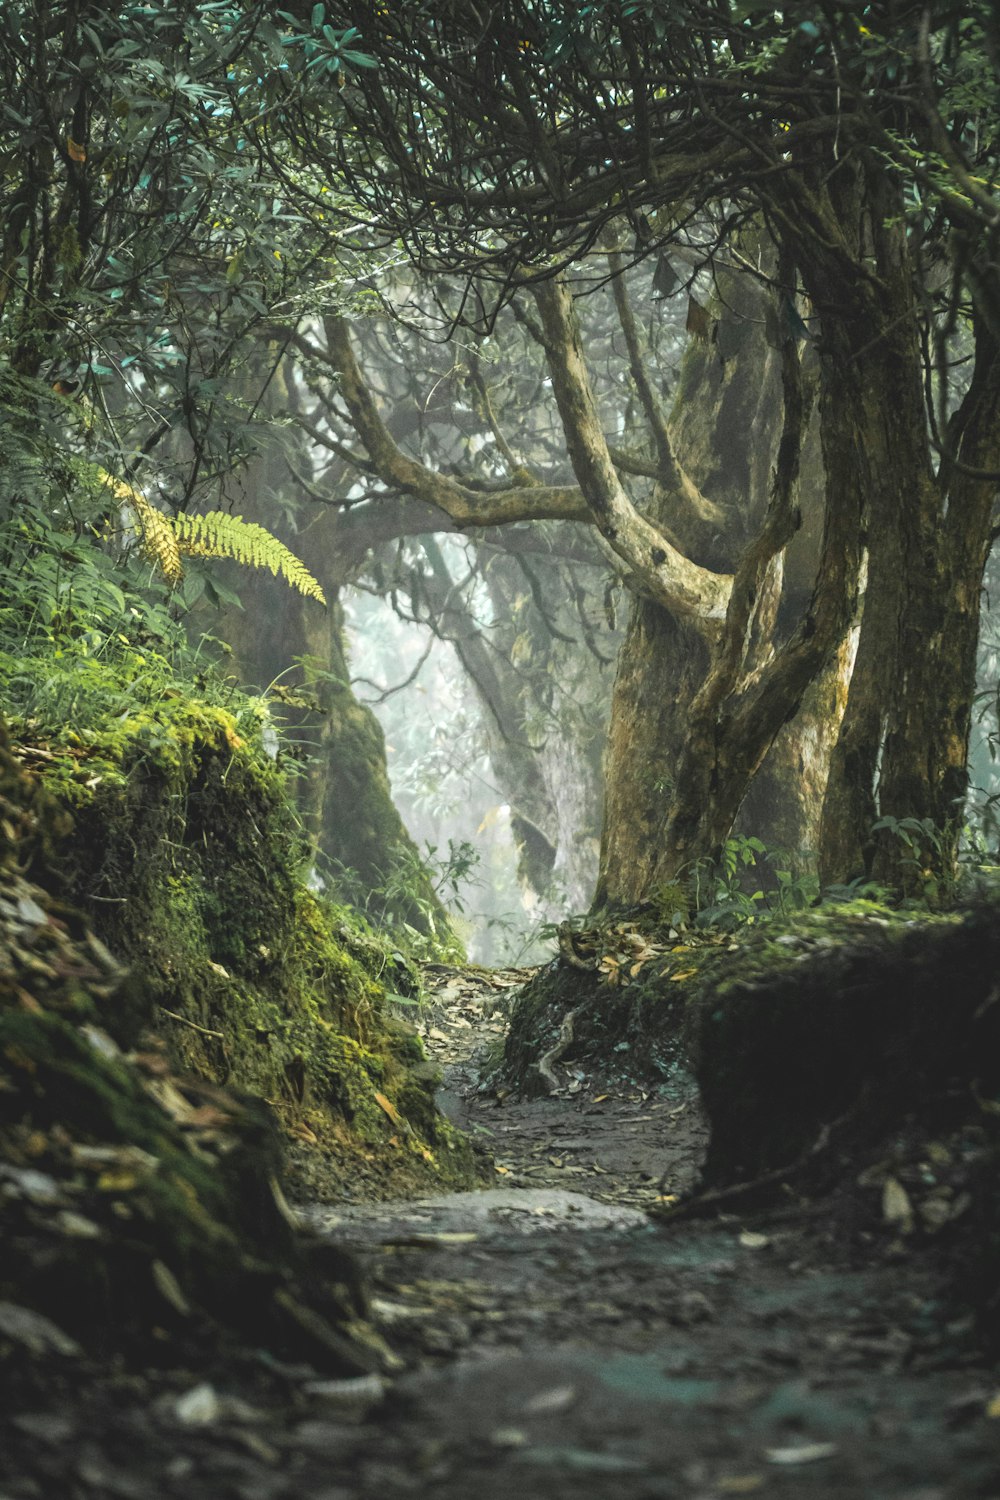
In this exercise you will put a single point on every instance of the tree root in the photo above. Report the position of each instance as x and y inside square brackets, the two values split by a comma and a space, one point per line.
[562, 1042]
[568, 953]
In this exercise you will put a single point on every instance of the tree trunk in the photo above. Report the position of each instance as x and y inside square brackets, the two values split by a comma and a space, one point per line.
[660, 667]
[726, 426]
[902, 749]
[292, 647]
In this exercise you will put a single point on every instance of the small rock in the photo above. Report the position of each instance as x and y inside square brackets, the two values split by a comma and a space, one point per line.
[198, 1407]
[37, 1334]
[691, 1308]
[751, 1240]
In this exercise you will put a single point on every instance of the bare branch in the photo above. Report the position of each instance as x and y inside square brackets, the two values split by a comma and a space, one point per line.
[465, 507]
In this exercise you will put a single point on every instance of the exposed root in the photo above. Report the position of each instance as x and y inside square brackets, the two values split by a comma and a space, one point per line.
[568, 953]
[562, 1042]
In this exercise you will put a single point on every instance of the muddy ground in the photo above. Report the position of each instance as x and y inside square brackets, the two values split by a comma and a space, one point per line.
[552, 1339]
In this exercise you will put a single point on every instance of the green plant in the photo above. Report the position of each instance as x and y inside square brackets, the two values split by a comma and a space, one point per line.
[926, 860]
[748, 883]
[167, 539]
[412, 892]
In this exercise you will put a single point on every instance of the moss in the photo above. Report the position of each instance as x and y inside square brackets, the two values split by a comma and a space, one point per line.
[188, 859]
[860, 1011]
[134, 1203]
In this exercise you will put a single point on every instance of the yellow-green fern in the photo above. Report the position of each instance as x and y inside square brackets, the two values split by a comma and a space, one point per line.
[159, 540]
[215, 534]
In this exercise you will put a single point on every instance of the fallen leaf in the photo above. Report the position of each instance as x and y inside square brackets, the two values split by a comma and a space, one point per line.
[389, 1107]
[167, 1285]
[684, 974]
[355, 1395]
[804, 1453]
[750, 1240]
[117, 1182]
[37, 1334]
[208, 1117]
[508, 1437]
[75, 1226]
[75, 151]
[896, 1206]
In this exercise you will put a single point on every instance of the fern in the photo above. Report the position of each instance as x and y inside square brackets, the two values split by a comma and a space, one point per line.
[214, 534]
[217, 534]
[159, 539]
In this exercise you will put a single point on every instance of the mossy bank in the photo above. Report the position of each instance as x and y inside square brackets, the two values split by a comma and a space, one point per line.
[179, 844]
[852, 1045]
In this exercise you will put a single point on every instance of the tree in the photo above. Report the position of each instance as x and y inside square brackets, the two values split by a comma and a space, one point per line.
[717, 400]
[501, 144]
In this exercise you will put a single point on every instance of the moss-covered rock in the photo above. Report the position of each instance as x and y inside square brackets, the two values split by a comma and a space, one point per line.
[857, 1009]
[849, 1039]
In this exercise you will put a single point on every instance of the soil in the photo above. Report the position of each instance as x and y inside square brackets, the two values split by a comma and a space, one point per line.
[552, 1338]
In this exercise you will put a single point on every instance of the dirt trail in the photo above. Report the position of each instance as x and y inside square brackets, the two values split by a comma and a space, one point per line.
[556, 1342]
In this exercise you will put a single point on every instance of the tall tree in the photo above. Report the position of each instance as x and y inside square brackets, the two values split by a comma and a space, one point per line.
[501, 142]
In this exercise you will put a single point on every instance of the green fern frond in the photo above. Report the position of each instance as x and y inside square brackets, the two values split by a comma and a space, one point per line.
[217, 534]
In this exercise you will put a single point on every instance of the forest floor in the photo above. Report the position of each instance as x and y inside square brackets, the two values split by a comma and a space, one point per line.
[555, 1340]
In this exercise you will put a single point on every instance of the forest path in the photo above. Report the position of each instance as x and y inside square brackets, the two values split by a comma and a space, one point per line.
[555, 1343]
[559, 1343]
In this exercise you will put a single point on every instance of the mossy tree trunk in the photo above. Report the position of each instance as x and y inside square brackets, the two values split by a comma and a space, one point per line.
[903, 743]
[292, 648]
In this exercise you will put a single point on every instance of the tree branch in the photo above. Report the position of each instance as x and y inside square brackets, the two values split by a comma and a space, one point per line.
[670, 472]
[465, 507]
[690, 592]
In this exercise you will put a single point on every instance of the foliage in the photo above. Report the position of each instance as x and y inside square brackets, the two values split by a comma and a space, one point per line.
[688, 126]
[146, 240]
[394, 904]
[89, 646]
[213, 534]
[748, 883]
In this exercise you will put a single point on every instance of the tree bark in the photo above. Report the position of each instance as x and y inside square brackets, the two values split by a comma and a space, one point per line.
[725, 427]
[902, 749]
